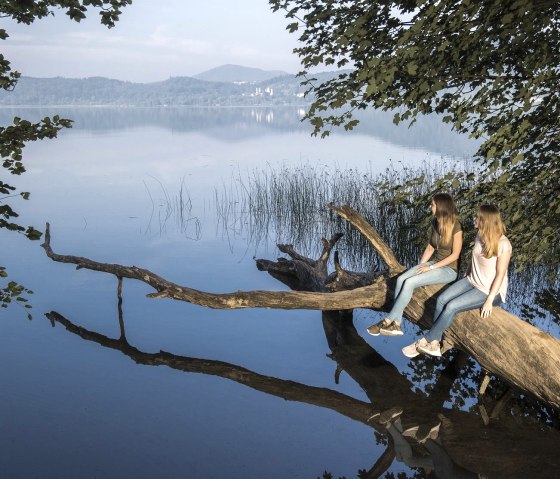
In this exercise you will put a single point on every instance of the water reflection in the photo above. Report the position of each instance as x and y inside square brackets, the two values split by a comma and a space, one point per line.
[84, 413]
[415, 429]
[237, 124]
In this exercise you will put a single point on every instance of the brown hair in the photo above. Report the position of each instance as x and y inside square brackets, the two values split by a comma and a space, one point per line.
[490, 229]
[446, 215]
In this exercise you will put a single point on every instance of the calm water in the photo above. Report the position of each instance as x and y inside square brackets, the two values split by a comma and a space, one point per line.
[90, 407]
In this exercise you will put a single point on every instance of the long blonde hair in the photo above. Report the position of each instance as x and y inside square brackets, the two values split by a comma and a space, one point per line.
[446, 215]
[490, 229]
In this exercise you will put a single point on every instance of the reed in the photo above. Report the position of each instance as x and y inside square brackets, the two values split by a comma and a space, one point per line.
[176, 207]
[287, 204]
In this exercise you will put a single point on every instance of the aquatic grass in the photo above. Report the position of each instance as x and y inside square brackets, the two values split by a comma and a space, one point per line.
[287, 204]
[178, 206]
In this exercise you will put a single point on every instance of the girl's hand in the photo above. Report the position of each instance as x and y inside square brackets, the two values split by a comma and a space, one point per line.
[422, 269]
[486, 309]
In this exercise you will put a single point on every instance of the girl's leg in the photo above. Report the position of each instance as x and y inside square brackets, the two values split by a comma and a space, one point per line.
[456, 289]
[412, 281]
[471, 299]
[375, 329]
[402, 277]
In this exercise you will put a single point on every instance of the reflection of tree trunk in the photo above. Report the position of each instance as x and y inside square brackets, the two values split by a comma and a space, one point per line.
[364, 364]
[289, 390]
[382, 464]
[489, 450]
[523, 355]
[441, 391]
[466, 440]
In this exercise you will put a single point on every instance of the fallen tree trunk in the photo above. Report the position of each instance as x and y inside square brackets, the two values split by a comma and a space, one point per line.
[503, 344]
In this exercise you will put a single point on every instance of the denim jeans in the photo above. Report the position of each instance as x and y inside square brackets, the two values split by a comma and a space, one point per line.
[409, 280]
[461, 296]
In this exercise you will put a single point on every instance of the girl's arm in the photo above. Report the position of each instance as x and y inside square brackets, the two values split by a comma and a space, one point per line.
[428, 252]
[454, 256]
[501, 270]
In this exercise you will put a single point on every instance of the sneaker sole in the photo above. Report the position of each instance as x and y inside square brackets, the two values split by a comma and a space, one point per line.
[388, 416]
[373, 334]
[411, 355]
[410, 432]
[384, 332]
[431, 353]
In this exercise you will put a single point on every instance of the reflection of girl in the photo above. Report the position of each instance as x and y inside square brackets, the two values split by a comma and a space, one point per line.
[484, 286]
[438, 264]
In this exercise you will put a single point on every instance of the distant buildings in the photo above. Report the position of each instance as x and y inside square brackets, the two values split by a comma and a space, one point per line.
[268, 91]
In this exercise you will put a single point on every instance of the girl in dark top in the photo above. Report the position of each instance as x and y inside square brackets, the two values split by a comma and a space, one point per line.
[438, 264]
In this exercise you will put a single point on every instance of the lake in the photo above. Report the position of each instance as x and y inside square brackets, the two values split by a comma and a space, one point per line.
[244, 393]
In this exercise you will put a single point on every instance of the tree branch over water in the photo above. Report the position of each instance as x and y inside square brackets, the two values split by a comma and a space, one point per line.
[503, 344]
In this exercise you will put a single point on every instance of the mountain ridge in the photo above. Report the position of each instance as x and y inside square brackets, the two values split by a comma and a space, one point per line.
[175, 91]
[230, 73]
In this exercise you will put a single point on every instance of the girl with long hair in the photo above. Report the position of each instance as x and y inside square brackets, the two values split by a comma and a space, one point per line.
[438, 264]
[484, 285]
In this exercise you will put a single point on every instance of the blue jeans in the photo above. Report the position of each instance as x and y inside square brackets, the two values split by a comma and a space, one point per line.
[461, 296]
[409, 280]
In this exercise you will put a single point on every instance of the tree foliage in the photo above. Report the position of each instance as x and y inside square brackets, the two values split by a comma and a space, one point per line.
[488, 67]
[14, 137]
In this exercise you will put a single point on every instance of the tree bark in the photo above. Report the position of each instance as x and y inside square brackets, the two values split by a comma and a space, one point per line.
[503, 344]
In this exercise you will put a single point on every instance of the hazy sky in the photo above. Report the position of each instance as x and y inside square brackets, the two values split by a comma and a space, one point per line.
[153, 40]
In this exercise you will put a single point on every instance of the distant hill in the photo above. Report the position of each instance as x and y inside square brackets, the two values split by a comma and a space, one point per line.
[104, 91]
[238, 74]
[176, 91]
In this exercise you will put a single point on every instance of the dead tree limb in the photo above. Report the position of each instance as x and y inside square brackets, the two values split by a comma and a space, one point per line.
[372, 236]
[526, 357]
[372, 296]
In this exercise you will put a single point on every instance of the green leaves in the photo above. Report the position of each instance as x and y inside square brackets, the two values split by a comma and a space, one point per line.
[490, 68]
[25, 11]
[14, 293]
[32, 233]
[14, 137]
[292, 27]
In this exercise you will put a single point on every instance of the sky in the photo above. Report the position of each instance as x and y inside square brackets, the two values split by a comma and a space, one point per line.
[154, 40]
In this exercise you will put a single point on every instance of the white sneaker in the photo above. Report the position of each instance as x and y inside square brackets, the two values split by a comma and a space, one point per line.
[411, 351]
[432, 348]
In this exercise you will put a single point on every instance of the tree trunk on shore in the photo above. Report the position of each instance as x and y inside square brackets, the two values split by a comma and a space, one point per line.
[503, 344]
